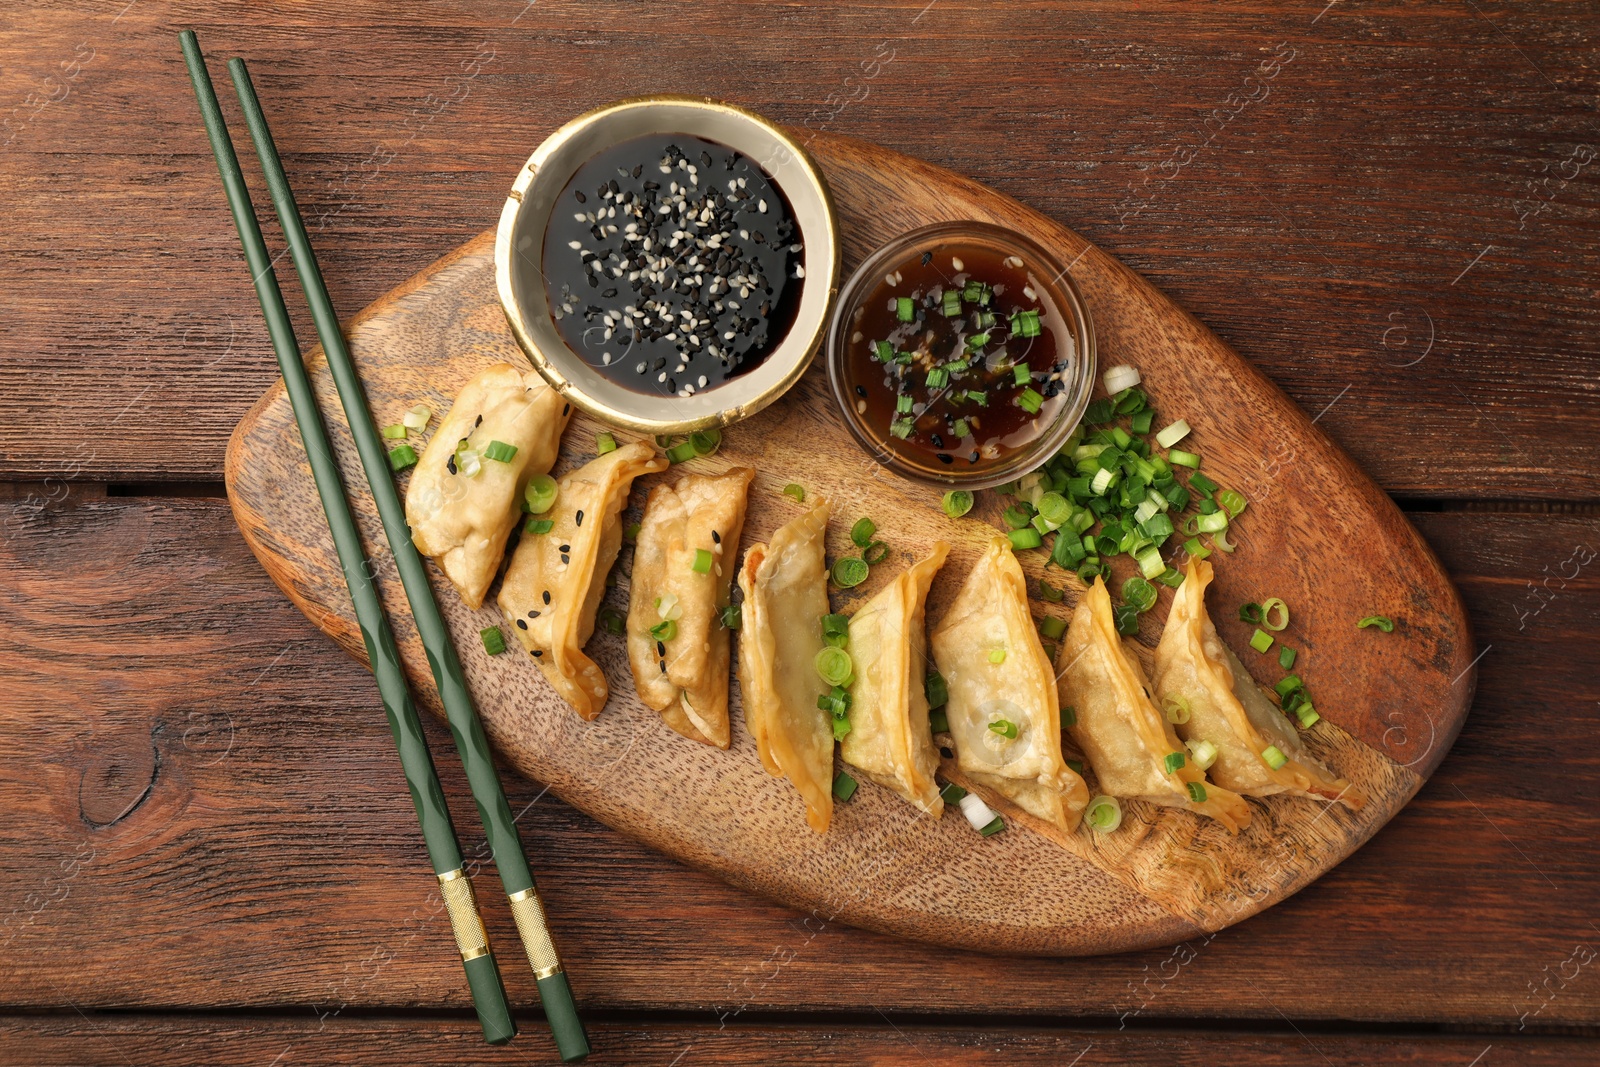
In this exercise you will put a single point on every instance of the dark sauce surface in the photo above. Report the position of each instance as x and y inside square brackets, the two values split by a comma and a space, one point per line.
[950, 395]
[671, 264]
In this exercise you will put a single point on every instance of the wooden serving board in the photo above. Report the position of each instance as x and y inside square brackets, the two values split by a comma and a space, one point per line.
[1318, 534]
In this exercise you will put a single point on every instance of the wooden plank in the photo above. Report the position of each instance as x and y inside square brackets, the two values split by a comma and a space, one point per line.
[1410, 173]
[218, 782]
[157, 1040]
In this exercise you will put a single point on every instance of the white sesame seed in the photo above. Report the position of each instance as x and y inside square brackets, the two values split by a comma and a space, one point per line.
[1028, 292]
[956, 264]
[575, 245]
[702, 381]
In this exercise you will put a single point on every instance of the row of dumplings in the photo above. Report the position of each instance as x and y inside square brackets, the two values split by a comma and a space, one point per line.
[1007, 703]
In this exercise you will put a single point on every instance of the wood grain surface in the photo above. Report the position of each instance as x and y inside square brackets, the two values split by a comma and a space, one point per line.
[1396, 229]
[1169, 874]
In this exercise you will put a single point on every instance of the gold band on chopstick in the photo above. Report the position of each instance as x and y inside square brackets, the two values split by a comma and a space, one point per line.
[528, 912]
[467, 924]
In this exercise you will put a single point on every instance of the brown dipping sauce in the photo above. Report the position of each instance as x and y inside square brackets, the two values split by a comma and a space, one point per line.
[671, 264]
[977, 371]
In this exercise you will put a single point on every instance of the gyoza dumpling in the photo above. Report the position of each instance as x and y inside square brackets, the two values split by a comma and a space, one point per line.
[785, 585]
[1127, 740]
[1227, 709]
[463, 519]
[685, 677]
[556, 579]
[889, 740]
[1003, 712]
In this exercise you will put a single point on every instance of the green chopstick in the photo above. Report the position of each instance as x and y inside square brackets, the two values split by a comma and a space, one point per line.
[499, 824]
[438, 833]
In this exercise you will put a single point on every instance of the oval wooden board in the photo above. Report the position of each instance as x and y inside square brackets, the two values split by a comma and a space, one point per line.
[1318, 534]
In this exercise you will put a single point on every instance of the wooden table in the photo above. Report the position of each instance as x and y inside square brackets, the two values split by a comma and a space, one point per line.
[203, 857]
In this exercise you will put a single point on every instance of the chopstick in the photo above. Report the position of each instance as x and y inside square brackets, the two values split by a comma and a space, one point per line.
[438, 832]
[499, 824]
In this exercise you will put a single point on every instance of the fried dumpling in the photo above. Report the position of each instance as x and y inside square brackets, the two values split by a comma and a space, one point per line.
[1129, 743]
[685, 676]
[556, 580]
[1003, 712]
[785, 584]
[461, 511]
[1229, 710]
[889, 740]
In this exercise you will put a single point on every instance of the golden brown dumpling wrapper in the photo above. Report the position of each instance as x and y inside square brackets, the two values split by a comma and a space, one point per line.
[889, 740]
[463, 521]
[556, 580]
[990, 616]
[785, 584]
[1124, 736]
[1228, 709]
[686, 678]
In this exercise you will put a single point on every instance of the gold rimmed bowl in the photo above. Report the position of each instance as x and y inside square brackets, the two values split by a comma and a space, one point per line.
[526, 220]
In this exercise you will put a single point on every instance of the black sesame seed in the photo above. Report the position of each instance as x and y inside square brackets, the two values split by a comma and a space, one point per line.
[938, 442]
[537, 653]
[580, 522]
[522, 624]
[945, 457]
[579, 194]
[946, 753]
[565, 408]
[566, 548]
[547, 596]
[478, 423]
[861, 390]
[661, 649]
[534, 614]
[927, 257]
[565, 561]
[450, 464]
[974, 457]
[716, 538]
[638, 169]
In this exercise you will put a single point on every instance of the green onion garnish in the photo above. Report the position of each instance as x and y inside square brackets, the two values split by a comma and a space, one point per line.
[500, 452]
[630, 532]
[796, 492]
[1052, 627]
[951, 303]
[682, 452]
[952, 793]
[611, 620]
[1005, 728]
[1286, 657]
[1232, 501]
[1050, 593]
[849, 572]
[732, 616]
[1171, 435]
[1213, 523]
[1261, 640]
[1139, 593]
[956, 503]
[1382, 622]
[1274, 758]
[875, 553]
[706, 442]
[834, 665]
[1307, 715]
[1251, 613]
[994, 826]
[1197, 792]
[397, 432]
[904, 310]
[702, 561]
[1017, 515]
[1140, 423]
[417, 418]
[1069, 716]
[903, 404]
[1197, 549]
[1027, 324]
[844, 787]
[603, 443]
[1076, 765]
[938, 378]
[997, 655]
[960, 428]
[884, 349]
[1027, 537]
[1055, 508]
[1030, 400]
[1203, 752]
[1174, 762]
[902, 428]
[402, 457]
[978, 397]
[861, 533]
[1199, 482]
[1176, 708]
[938, 692]
[1104, 814]
[1266, 615]
[1126, 618]
[540, 494]
[938, 721]
[1021, 374]
[494, 642]
[538, 526]
[1179, 458]
[665, 630]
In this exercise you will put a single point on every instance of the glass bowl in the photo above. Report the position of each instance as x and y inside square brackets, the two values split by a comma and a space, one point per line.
[1045, 274]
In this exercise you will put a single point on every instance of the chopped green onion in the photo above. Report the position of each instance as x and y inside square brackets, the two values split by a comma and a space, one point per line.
[1176, 708]
[1274, 758]
[667, 606]
[875, 553]
[1052, 627]
[665, 630]
[402, 457]
[1126, 618]
[956, 503]
[706, 442]
[960, 428]
[938, 692]
[993, 826]
[1027, 324]
[1382, 622]
[904, 310]
[494, 642]
[1261, 640]
[540, 494]
[1050, 593]
[1203, 752]
[952, 793]
[979, 397]
[1172, 435]
[844, 787]
[1017, 515]
[603, 443]
[1174, 762]
[903, 404]
[538, 526]
[1104, 814]
[1232, 501]
[417, 418]
[849, 572]
[732, 616]
[1069, 716]
[796, 492]
[1197, 549]
[938, 721]
[950, 303]
[938, 378]
[1199, 482]
[1076, 765]
[834, 665]
[1197, 792]
[902, 428]
[836, 625]
[1027, 537]
[1214, 523]
[1251, 613]
[397, 432]
[1289, 684]
[1005, 728]
[1286, 657]
[884, 350]
[682, 452]
[630, 532]
[977, 341]
[1139, 593]
[1307, 715]
[1171, 576]
[702, 561]
[1102, 481]
[611, 620]
[1179, 458]
[1056, 509]
[1140, 423]
[500, 452]
[997, 655]
[861, 533]
[1266, 615]
[1150, 562]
